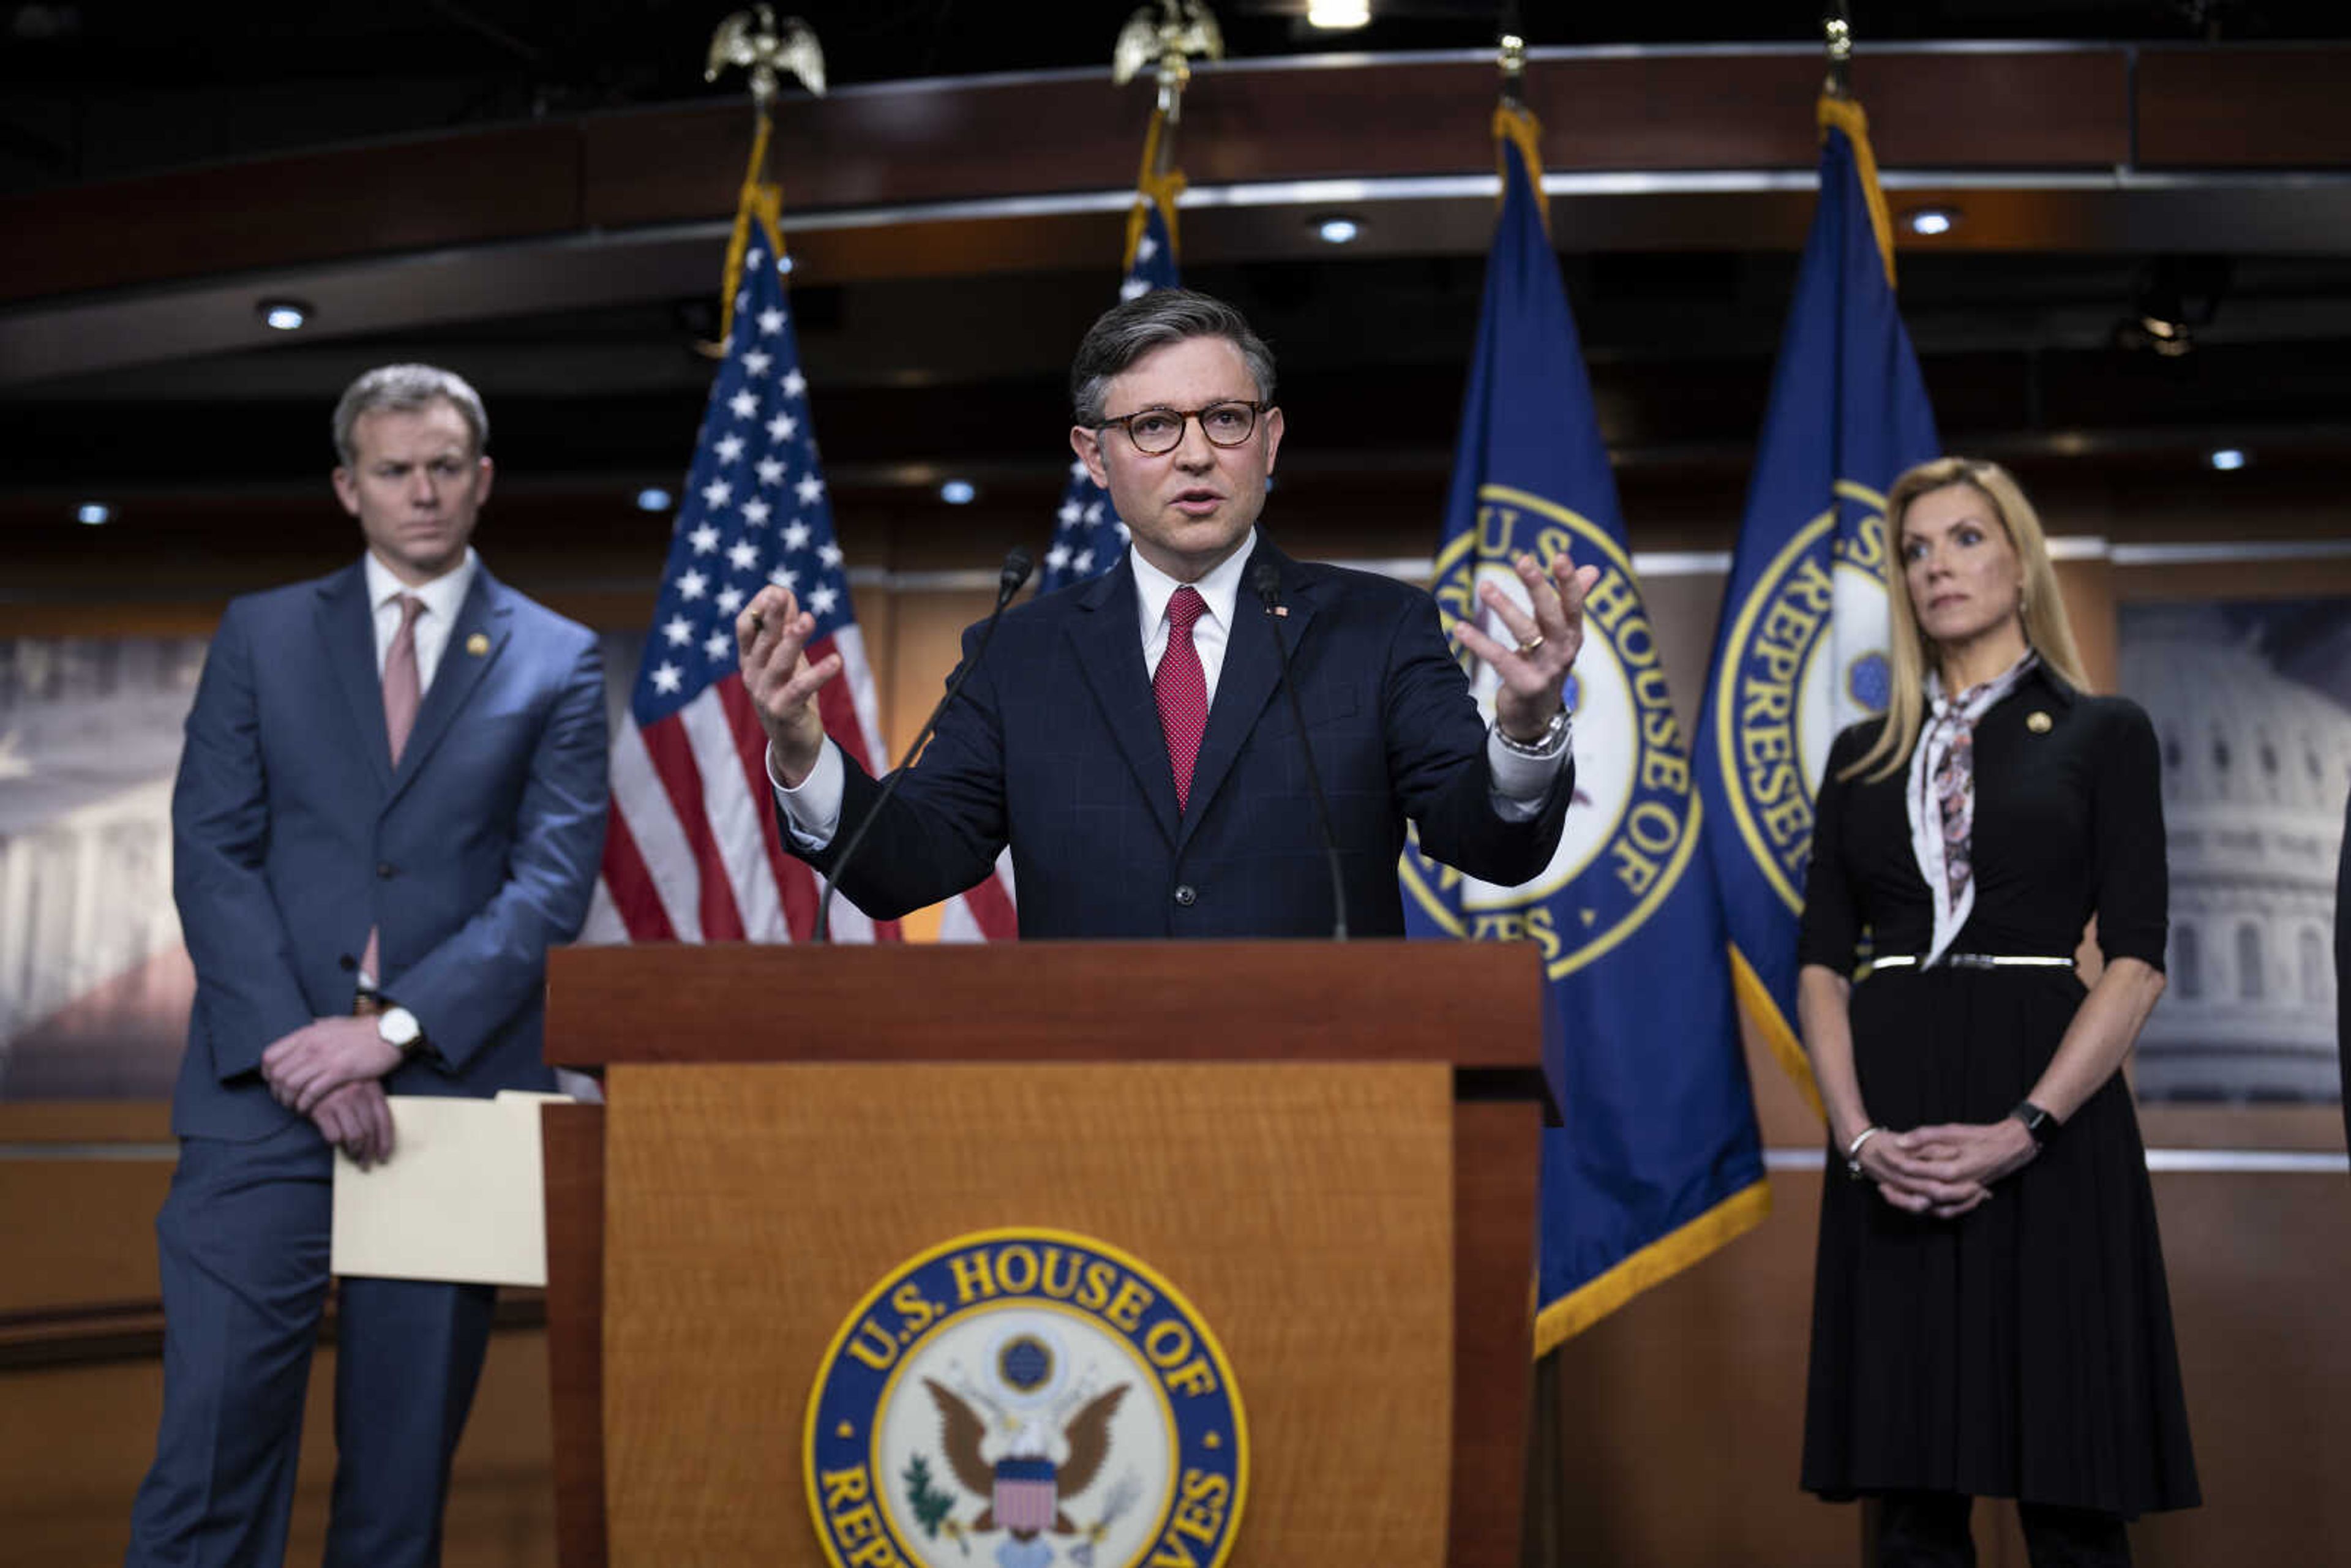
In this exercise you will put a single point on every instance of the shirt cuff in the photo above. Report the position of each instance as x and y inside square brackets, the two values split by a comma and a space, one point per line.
[812, 812]
[1521, 781]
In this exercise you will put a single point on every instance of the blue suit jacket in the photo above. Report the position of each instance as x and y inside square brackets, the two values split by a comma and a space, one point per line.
[293, 835]
[1055, 748]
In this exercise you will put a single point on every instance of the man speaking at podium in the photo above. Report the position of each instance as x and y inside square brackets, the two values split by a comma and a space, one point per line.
[1127, 737]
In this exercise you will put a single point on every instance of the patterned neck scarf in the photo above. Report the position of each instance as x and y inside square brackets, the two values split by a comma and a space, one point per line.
[1941, 797]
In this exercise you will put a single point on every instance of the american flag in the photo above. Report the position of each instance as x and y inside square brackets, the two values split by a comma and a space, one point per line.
[1087, 534]
[692, 853]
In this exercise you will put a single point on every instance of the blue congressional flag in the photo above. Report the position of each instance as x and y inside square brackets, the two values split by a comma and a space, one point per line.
[1659, 1162]
[1801, 650]
[1087, 534]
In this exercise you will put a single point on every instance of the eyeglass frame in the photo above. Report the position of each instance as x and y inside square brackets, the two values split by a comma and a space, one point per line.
[1258, 409]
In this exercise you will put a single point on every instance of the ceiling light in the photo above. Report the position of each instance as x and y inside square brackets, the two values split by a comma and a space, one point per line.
[284, 315]
[2227, 459]
[653, 498]
[93, 513]
[1332, 15]
[958, 493]
[1932, 220]
[1337, 230]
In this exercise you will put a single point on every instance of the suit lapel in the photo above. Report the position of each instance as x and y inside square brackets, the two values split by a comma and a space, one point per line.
[1251, 674]
[346, 631]
[1109, 649]
[483, 622]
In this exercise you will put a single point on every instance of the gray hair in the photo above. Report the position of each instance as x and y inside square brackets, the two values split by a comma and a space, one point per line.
[408, 389]
[1132, 329]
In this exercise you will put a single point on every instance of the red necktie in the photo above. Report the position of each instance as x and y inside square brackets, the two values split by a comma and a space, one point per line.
[402, 690]
[1181, 689]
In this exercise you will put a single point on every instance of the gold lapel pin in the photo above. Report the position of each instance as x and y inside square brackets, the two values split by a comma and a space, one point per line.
[479, 643]
[2039, 723]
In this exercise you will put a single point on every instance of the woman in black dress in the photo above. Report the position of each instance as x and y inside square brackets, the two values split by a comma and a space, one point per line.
[1989, 1317]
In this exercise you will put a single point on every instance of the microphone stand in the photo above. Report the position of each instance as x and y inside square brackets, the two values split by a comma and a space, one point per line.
[1266, 578]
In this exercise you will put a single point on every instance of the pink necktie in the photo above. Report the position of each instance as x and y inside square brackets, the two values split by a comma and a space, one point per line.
[403, 689]
[1181, 689]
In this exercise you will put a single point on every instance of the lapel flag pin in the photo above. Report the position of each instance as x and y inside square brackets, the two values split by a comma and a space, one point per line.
[479, 643]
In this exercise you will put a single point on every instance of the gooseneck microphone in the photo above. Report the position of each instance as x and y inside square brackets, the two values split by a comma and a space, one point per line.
[1266, 578]
[1017, 567]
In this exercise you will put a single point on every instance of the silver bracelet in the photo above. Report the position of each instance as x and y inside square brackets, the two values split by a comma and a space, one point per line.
[1852, 1150]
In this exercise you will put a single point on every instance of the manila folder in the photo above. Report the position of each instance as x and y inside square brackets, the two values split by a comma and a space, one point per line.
[463, 1197]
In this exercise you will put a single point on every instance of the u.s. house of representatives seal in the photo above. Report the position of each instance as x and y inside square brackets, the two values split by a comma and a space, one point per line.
[1630, 833]
[1806, 656]
[1025, 1398]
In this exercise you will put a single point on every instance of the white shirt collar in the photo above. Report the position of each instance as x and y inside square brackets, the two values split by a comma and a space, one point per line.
[1220, 588]
[443, 596]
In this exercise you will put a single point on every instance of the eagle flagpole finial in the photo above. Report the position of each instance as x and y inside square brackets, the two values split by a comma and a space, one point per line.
[751, 40]
[1167, 35]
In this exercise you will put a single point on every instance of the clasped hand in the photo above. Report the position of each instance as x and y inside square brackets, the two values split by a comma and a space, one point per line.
[1945, 1170]
[1550, 633]
[330, 1069]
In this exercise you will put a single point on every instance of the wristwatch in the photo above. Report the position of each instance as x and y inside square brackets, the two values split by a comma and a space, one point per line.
[1549, 743]
[2037, 1122]
[398, 1028]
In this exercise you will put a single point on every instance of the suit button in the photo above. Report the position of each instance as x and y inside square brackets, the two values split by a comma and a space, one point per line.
[1185, 895]
[347, 961]
[385, 870]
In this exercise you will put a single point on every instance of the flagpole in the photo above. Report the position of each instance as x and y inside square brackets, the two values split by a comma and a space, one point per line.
[752, 40]
[1166, 42]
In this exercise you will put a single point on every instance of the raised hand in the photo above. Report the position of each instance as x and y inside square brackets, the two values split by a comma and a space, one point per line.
[772, 634]
[1549, 634]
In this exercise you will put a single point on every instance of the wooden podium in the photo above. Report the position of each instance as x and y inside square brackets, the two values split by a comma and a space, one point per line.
[1329, 1149]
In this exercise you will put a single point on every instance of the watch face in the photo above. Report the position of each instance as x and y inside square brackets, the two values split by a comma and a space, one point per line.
[397, 1027]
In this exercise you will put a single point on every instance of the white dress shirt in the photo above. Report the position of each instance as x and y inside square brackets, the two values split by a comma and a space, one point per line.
[1520, 781]
[444, 597]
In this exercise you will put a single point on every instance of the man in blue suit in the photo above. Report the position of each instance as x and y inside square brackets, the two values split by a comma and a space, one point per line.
[390, 803]
[1125, 738]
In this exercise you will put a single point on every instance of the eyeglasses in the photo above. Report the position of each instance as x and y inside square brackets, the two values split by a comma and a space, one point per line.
[1155, 432]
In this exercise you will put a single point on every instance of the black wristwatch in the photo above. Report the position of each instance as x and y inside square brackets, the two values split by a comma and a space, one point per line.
[2037, 1122]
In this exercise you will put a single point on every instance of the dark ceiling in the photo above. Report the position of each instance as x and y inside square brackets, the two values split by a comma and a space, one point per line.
[2023, 351]
[102, 89]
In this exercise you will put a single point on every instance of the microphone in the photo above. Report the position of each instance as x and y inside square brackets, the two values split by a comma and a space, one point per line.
[1266, 578]
[1017, 567]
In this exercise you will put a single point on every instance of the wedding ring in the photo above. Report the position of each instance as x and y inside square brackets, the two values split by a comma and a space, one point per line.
[1530, 645]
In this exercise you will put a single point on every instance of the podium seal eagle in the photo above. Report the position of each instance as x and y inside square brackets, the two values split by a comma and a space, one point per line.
[1025, 1398]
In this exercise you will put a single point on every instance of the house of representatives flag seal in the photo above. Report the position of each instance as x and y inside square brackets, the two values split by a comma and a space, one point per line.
[1025, 1398]
[1658, 1161]
[1800, 652]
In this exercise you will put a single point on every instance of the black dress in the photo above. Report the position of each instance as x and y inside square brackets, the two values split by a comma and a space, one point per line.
[2025, 1349]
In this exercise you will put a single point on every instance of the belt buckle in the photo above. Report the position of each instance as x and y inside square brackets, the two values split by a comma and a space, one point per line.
[366, 1004]
[1970, 960]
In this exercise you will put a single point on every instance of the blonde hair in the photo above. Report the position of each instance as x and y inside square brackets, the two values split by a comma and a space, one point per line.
[1911, 652]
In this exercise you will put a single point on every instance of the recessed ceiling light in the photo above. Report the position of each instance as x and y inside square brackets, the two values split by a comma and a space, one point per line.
[653, 498]
[93, 513]
[1338, 229]
[284, 315]
[2227, 459]
[1334, 15]
[958, 493]
[1932, 220]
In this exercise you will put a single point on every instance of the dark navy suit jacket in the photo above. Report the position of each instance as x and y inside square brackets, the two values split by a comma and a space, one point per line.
[293, 835]
[1055, 748]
